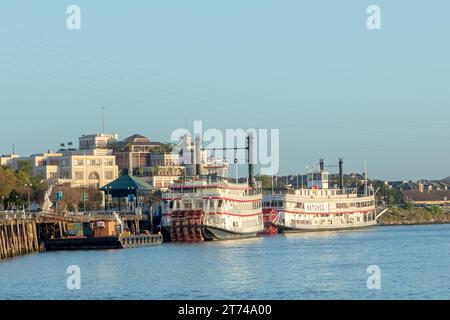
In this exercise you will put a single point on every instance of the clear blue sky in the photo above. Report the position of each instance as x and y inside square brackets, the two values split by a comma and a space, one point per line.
[309, 68]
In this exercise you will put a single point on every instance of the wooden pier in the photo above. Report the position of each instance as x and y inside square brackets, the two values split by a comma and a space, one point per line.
[18, 237]
[21, 235]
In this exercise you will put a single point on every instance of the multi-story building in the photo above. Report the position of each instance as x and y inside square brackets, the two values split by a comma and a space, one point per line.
[166, 168]
[76, 169]
[98, 141]
[92, 165]
[133, 154]
[9, 160]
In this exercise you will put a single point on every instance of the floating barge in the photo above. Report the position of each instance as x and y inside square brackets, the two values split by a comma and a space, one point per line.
[98, 243]
[102, 234]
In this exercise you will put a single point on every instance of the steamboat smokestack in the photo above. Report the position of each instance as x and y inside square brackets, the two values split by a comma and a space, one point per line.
[341, 173]
[322, 165]
[198, 155]
[251, 160]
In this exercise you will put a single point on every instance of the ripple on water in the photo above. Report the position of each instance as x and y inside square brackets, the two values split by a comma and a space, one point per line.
[414, 264]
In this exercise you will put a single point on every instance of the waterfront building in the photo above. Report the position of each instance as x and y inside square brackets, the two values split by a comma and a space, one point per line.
[91, 165]
[427, 197]
[74, 168]
[166, 168]
[98, 141]
[133, 154]
[9, 160]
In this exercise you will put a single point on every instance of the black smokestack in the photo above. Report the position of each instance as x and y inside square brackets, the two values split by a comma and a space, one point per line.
[341, 173]
[198, 156]
[251, 162]
[322, 165]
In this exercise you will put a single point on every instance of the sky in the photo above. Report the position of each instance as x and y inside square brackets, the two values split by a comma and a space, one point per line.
[311, 69]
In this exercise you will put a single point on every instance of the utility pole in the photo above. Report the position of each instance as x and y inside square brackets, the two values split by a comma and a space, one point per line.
[103, 119]
[29, 198]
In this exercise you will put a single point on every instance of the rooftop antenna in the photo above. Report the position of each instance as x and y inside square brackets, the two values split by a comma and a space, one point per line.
[103, 119]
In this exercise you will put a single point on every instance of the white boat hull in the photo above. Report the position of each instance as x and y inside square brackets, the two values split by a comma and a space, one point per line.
[316, 228]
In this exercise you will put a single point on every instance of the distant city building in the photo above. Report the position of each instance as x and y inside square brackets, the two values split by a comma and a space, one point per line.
[76, 169]
[9, 160]
[98, 141]
[133, 154]
[91, 165]
[165, 169]
[428, 197]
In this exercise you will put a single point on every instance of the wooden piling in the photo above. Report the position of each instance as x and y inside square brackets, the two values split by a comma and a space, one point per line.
[18, 237]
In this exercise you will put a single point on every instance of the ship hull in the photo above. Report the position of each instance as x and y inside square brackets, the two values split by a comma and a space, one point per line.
[202, 233]
[318, 228]
[212, 234]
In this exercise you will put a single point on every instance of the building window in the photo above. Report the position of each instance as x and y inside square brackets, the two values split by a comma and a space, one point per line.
[109, 175]
[79, 175]
[94, 176]
[78, 162]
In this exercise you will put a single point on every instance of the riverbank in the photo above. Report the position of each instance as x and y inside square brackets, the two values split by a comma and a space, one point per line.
[415, 216]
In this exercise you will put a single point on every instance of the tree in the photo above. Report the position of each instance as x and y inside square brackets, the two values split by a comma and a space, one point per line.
[7, 181]
[22, 178]
[139, 172]
[266, 181]
[26, 167]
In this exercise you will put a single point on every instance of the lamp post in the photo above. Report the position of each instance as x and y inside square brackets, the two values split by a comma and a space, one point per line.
[84, 187]
[108, 203]
[29, 186]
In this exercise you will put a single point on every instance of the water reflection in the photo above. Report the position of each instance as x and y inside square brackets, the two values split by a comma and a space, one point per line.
[324, 265]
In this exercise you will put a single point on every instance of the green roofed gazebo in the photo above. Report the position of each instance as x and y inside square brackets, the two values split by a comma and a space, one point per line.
[126, 186]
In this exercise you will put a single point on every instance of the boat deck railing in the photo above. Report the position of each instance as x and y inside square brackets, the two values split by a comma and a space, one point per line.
[349, 192]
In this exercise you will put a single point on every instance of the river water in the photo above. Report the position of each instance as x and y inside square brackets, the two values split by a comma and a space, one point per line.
[414, 263]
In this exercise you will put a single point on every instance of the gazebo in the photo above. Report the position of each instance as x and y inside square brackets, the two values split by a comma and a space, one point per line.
[127, 187]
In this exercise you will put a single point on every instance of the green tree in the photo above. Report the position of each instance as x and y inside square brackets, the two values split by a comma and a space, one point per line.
[266, 181]
[7, 181]
[26, 167]
[22, 178]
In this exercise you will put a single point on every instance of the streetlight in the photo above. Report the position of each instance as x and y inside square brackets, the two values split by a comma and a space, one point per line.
[29, 186]
[108, 204]
[84, 187]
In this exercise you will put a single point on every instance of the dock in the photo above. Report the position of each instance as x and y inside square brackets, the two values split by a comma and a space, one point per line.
[116, 242]
[18, 237]
[22, 233]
